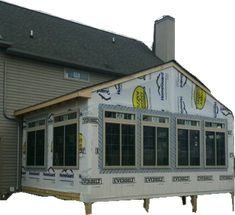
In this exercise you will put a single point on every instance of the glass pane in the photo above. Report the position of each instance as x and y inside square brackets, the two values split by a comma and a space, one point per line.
[30, 148]
[58, 150]
[149, 146]
[194, 148]
[41, 122]
[210, 148]
[208, 124]
[70, 145]
[84, 76]
[128, 145]
[156, 119]
[59, 118]
[220, 144]
[180, 121]
[215, 125]
[112, 144]
[162, 147]
[31, 124]
[40, 139]
[110, 114]
[72, 115]
[182, 147]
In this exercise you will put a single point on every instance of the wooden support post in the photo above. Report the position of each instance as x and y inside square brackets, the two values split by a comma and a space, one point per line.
[88, 208]
[232, 196]
[184, 200]
[194, 203]
[146, 204]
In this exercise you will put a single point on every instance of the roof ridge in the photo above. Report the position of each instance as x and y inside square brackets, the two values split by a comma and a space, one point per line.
[72, 21]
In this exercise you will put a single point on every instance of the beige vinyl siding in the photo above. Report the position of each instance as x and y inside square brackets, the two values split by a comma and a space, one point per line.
[29, 82]
[8, 138]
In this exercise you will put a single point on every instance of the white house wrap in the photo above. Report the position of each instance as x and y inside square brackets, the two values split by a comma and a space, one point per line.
[152, 134]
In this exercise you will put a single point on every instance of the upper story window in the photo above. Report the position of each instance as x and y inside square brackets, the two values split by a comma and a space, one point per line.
[65, 140]
[155, 141]
[36, 143]
[188, 143]
[120, 139]
[76, 75]
[215, 144]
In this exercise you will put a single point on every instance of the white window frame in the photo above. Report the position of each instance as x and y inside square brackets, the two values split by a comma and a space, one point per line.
[120, 122]
[215, 130]
[64, 123]
[67, 70]
[189, 127]
[36, 128]
[155, 125]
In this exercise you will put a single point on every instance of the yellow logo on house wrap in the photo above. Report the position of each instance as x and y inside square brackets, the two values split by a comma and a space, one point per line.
[81, 141]
[199, 98]
[139, 98]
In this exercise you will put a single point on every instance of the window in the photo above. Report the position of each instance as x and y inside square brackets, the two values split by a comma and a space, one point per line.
[155, 141]
[76, 75]
[36, 143]
[215, 144]
[65, 140]
[120, 138]
[188, 138]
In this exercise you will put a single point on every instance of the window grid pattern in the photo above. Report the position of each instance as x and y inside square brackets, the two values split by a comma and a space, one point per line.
[77, 75]
[188, 143]
[173, 123]
[120, 139]
[155, 141]
[35, 154]
[215, 144]
[65, 140]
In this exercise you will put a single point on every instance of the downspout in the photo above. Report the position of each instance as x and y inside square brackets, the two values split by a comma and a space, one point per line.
[11, 119]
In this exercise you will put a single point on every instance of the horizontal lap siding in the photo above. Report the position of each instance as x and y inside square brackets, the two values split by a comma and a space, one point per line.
[29, 82]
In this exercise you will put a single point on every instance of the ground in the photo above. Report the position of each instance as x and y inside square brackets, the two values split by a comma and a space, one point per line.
[27, 204]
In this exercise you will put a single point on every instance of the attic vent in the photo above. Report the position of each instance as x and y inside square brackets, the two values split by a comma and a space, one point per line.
[31, 34]
[113, 40]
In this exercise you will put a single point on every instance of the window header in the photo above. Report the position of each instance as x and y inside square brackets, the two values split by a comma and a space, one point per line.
[214, 125]
[65, 117]
[119, 115]
[37, 123]
[188, 122]
[156, 119]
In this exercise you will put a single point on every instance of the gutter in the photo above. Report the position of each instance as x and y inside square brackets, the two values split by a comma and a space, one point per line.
[13, 119]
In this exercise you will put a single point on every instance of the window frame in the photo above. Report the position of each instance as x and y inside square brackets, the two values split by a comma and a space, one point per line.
[189, 127]
[37, 128]
[216, 130]
[66, 70]
[120, 122]
[64, 123]
[155, 125]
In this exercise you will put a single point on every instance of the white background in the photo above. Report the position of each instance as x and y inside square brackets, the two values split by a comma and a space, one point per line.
[205, 46]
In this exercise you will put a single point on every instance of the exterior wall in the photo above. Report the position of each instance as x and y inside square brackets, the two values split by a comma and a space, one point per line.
[168, 93]
[28, 82]
[50, 177]
[158, 94]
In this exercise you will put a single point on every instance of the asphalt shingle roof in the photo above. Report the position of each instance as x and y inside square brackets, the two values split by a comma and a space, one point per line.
[74, 44]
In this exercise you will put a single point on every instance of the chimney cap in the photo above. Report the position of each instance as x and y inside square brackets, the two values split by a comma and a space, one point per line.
[165, 17]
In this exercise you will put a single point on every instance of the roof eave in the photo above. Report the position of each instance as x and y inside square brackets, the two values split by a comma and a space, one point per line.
[5, 44]
[62, 62]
